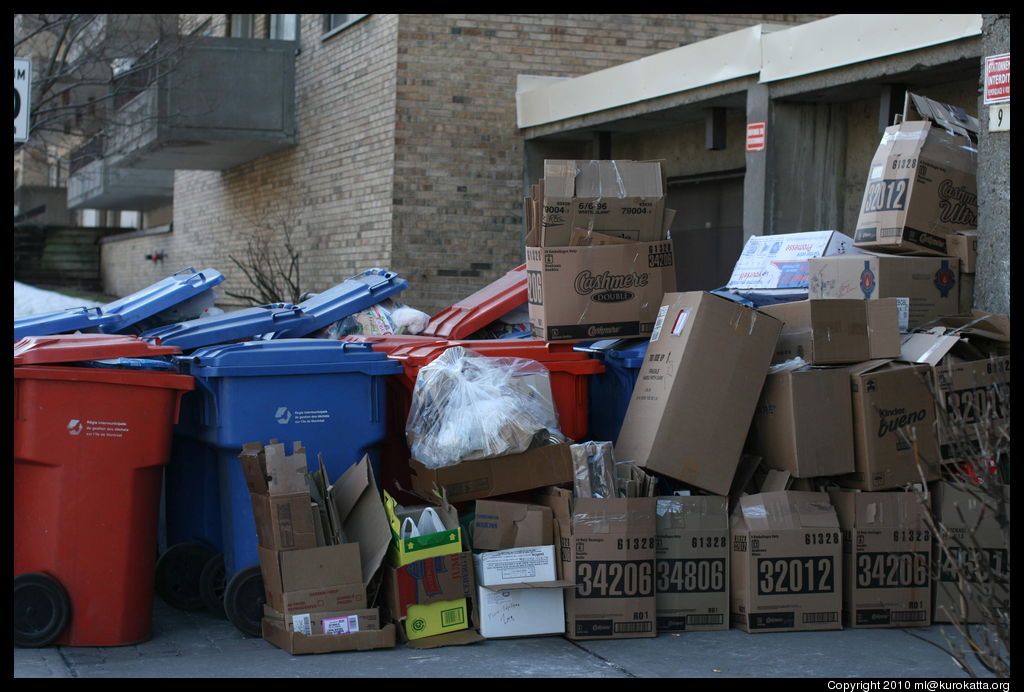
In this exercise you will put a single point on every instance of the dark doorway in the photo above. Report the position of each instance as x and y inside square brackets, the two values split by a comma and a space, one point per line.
[707, 231]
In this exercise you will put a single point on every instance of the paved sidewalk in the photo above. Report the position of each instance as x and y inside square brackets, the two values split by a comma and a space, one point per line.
[197, 645]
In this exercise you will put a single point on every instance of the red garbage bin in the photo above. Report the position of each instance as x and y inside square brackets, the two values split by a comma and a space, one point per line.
[90, 444]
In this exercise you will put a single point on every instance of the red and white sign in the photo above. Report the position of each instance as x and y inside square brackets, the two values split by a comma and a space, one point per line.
[756, 136]
[997, 78]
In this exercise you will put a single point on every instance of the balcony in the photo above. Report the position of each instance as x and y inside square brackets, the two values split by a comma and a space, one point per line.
[102, 184]
[225, 102]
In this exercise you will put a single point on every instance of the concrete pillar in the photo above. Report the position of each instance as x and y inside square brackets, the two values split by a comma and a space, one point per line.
[992, 285]
[755, 182]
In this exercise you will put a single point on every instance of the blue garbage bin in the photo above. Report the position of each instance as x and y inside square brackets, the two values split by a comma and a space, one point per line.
[329, 395]
[611, 390]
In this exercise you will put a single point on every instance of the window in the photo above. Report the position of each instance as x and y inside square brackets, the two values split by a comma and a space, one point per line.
[282, 26]
[333, 23]
[240, 25]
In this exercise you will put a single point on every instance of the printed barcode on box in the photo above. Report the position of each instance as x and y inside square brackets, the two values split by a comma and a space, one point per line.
[301, 624]
[632, 627]
[452, 617]
[705, 620]
[811, 618]
[909, 616]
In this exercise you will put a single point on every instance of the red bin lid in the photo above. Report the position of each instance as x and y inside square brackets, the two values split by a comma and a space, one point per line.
[481, 308]
[71, 348]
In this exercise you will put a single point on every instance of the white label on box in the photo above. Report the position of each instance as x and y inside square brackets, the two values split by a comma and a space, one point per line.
[876, 172]
[903, 314]
[342, 625]
[677, 326]
[656, 332]
[301, 624]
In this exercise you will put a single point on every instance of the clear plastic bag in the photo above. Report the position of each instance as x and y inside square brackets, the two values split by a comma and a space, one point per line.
[469, 406]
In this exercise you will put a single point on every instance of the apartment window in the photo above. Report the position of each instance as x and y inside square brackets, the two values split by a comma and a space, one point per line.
[241, 25]
[282, 26]
[333, 23]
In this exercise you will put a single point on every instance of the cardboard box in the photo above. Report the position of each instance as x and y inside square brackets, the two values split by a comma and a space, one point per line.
[970, 355]
[597, 291]
[313, 580]
[280, 496]
[692, 563]
[803, 423]
[886, 559]
[695, 394]
[520, 593]
[776, 265]
[930, 284]
[891, 402]
[502, 525]
[334, 622]
[786, 557]
[620, 198]
[366, 638]
[607, 547]
[829, 332]
[431, 597]
[964, 245]
[975, 538]
[483, 478]
[922, 185]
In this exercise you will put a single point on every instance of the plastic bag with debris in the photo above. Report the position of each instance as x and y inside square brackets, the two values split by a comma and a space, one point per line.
[469, 406]
[383, 319]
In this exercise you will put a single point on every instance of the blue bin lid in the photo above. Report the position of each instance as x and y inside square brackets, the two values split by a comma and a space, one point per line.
[296, 356]
[80, 319]
[237, 325]
[347, 298]
[162, 295]
[628, 353]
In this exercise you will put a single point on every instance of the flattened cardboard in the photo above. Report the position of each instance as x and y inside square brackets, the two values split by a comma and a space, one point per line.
[975, 536]
[786, 557]
[890, 398]
[692, 563]
[886, 554]
[597, 291]
[483, 478]
[357, 506]
[500, 525]
[803, 423]
[830, 332]
[695, 395]
[930, 283]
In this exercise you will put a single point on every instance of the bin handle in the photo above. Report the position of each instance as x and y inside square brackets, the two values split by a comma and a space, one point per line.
[187, 269]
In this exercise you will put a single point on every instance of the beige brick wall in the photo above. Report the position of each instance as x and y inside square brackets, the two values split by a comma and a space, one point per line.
[408, 155]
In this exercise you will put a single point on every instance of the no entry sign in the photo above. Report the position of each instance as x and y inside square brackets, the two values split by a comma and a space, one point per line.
[997, 78]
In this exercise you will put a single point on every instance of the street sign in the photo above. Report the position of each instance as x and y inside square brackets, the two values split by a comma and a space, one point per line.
[997, 78]
[22, 97]
[756, 136]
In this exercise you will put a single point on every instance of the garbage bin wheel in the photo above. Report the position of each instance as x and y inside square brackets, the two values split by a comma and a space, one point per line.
[177, 575]
[243, 600]
[41, 610]
[211, 585]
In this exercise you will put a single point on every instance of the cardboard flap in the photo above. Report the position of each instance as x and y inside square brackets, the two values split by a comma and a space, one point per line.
[694, 513]
[285, 474]
[952, 118]
[361, 514]
[867, 366]
[926, 347]
[607, 515]
[788, 509]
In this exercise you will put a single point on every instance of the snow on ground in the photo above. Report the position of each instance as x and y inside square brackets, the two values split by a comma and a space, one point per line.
[29, 301]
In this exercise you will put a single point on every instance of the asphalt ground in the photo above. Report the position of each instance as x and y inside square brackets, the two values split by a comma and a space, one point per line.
[201, 645]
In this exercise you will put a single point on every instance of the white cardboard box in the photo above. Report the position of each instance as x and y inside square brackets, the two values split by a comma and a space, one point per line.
[519, 592]
[778, 263]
